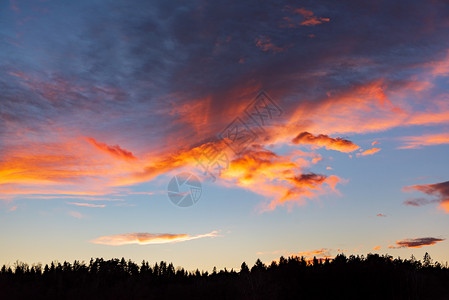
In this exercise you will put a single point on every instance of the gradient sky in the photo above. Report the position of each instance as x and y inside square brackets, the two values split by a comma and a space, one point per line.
[103, 102]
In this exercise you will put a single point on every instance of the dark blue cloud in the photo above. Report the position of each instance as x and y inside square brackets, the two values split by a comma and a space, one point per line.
[122, 66]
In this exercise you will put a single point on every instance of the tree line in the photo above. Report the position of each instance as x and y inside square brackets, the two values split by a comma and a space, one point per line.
[345, 277]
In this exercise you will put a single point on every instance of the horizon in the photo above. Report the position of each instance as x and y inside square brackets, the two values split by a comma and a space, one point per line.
[276, 262]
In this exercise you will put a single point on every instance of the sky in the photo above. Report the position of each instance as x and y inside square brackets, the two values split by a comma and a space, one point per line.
[208, 133]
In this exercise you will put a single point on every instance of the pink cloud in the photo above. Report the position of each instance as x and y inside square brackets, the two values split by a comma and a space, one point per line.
[86, 204]
[76, 214]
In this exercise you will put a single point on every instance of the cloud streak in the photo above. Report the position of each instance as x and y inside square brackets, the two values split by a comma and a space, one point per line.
[149, 238]
[416, 142]
[115, 150]
[86, 204]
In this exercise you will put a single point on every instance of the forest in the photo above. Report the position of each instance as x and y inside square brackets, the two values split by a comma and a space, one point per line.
[344, 277]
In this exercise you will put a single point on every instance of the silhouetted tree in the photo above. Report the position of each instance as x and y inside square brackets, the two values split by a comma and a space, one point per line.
[244, 270]
[427, 261]
[374, 276]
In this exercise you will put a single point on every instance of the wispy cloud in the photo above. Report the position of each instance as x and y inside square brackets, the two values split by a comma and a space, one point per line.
[416, 142]
[149, 238]
[86, 204]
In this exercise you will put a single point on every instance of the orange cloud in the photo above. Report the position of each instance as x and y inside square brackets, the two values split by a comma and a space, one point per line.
[377, 248]
[278, 177]
[40, 168]
[369, 152]
[115, 150]
[374, 143]
[86, 204]
[445, 206]
[148, 238]
[415, 142]
[265, 44]
[416, 243]
[323, 140]
[363, 108]
[64, 167]
[167, 162]
[322, 254]
[66, 161]
[381, 215]
[69, 166]
[309, 18]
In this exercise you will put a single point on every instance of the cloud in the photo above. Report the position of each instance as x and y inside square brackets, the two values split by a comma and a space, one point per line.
[369, 152]
[148, 238]
[381, 215]
[377, 248]
[416, 142]
[112, 150]
[163, 105]
[323, 140]
[416, 243]
[56, 160]
[308, 18]
[86, 204]
[279, 177]
[417, 202]
[164, 163]
[76, 214]
[374, 143]
[265, 44]
[13, 5]
[322, 253]
[440, 191]
[440, 67]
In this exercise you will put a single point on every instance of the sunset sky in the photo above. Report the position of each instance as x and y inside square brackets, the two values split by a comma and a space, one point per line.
[341, 110]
